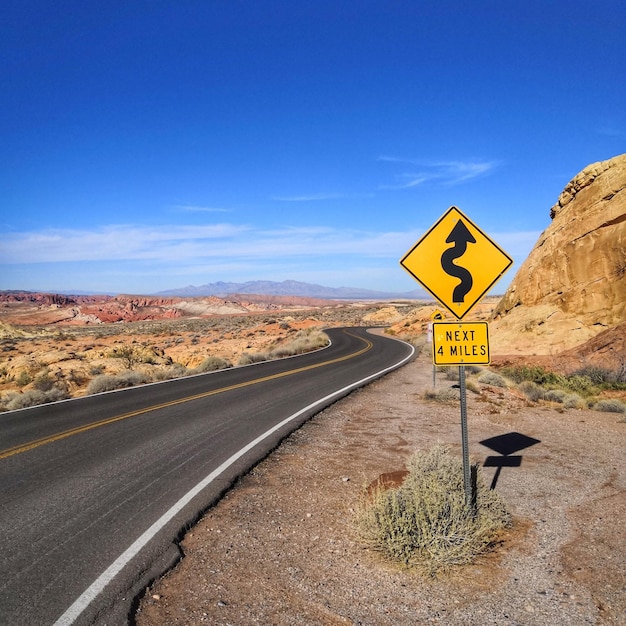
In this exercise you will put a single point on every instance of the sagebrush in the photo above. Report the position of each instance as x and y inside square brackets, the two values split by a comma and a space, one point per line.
[426, 522]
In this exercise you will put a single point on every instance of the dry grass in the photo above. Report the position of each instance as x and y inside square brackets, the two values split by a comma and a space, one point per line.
[426, 522]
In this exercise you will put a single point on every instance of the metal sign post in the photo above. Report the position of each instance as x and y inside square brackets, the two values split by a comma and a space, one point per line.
[464, 439]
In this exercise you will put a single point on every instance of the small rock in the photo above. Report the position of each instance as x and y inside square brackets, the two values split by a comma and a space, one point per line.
[156, 596]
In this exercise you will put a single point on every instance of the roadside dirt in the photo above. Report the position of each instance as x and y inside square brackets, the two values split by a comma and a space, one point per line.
[280, 547]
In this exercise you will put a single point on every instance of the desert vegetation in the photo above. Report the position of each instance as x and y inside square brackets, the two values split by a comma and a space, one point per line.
[136, 361]
[425, 522]
[593, 388]
[47, 363]
[585, 387]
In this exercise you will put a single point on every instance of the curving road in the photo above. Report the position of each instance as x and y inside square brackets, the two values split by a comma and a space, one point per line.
[94, 492]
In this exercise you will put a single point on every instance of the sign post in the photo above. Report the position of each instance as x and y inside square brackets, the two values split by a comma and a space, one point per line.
[432, 261]
[436, 315]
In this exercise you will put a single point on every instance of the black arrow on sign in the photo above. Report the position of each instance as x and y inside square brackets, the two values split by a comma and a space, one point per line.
[460, 236]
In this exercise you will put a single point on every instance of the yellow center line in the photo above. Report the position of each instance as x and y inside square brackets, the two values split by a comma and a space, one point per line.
[111, 420]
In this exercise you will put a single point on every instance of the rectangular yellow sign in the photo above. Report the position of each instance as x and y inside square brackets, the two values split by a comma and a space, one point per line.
[460, 343]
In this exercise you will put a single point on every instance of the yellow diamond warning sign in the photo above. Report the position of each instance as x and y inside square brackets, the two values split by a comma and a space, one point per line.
[460, 343]
[456, 262]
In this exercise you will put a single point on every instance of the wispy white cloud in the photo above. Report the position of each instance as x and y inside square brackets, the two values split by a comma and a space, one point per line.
[440, 172]
[173, 243]
[111, 242]
[148, 259]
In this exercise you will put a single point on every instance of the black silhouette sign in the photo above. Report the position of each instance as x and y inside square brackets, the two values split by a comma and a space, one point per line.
[456, 262]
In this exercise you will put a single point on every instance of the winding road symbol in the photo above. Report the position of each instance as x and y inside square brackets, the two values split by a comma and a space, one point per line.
[460, 237]
[456, 262]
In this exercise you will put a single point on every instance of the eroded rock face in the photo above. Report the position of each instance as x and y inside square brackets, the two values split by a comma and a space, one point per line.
[573, 283]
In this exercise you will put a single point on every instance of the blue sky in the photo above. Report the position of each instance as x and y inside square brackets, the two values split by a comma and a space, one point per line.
[149, 145]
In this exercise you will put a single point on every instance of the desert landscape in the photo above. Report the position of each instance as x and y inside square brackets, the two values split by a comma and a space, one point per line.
[557, 378]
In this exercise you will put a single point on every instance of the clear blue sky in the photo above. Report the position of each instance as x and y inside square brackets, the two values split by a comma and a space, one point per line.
[148, 145]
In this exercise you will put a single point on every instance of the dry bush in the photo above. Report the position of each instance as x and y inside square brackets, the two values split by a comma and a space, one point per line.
[531, 390]
[568, 400]
[247, 358]
[425, 522]
[120, 381]
[611, 405]
[33, 397]
[493, 379]
[175, 370]
[444, 395]
[304, 341]
[212, 364]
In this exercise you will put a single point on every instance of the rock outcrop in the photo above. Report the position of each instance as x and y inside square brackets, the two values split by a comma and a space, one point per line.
[572, 286]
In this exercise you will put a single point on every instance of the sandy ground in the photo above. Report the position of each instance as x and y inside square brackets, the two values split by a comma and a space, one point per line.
[280, 547]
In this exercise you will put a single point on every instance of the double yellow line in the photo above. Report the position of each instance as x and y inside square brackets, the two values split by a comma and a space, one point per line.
[111, 420]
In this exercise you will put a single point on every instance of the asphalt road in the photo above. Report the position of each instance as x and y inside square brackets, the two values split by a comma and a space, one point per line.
[95, 492]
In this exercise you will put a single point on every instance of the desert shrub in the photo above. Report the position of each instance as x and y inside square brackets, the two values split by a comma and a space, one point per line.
[35, 397]
[493, 379]
[531, 390]
[304, 341]
[443, 395]
[101, 383]
[129, 355]
[452, 373]
[248, 358]
[568, 400]
[470, 385]
[611, 405]
[211, 364]
[573, 401]
[44, 382]
[175, 370]
[120, 381]
[579, 384]
[533, 374]
[599, 375]
[555, 395]
[425, 521]
[23, 379]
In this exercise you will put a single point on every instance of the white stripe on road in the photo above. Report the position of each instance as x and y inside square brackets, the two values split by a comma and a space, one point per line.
[85, 599]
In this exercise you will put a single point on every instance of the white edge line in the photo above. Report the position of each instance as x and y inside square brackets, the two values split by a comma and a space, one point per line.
[85, 599]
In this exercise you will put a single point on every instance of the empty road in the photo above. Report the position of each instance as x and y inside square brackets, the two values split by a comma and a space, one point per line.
[94, 492]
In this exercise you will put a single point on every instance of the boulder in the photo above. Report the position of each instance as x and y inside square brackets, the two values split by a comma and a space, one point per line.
[572, 286]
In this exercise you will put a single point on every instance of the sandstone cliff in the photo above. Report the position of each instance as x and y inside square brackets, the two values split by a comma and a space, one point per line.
[572, 286]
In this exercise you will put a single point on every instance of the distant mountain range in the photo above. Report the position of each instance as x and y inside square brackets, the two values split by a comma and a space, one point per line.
[290, 288]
